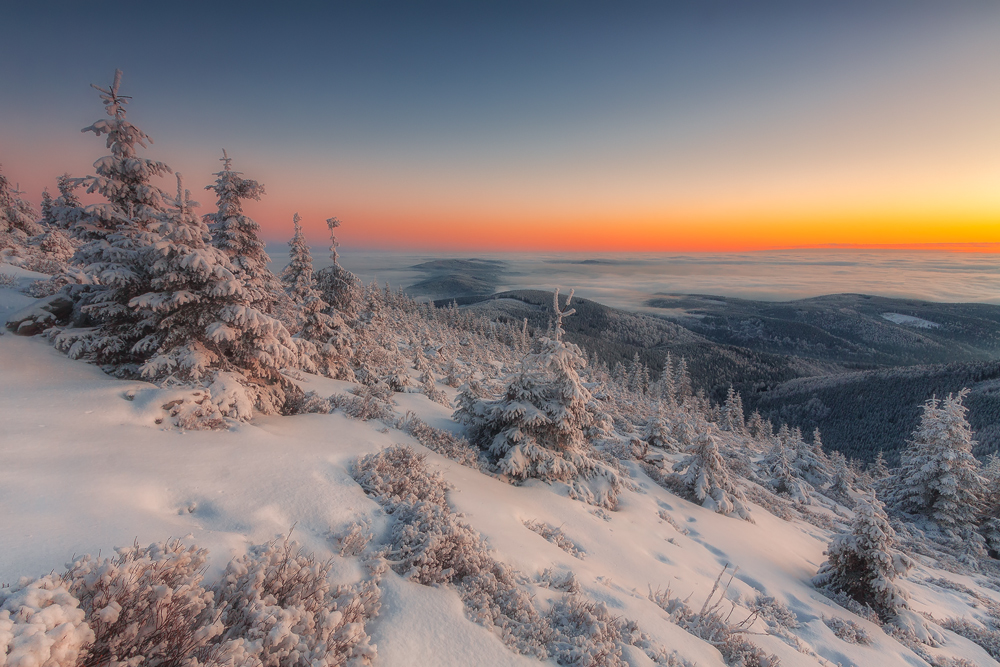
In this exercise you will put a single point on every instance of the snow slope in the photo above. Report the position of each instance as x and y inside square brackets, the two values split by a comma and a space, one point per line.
[84, 467]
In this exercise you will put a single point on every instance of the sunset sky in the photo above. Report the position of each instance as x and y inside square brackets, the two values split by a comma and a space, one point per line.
[548, 125]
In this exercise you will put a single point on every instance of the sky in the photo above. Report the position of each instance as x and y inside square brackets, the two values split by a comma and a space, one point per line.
[545, 126]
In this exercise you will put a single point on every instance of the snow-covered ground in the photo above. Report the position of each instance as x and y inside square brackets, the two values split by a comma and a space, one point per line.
[84, 467]
[910, 321]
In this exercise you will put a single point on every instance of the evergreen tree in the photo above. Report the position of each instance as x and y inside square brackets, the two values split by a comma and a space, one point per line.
[732, 418]
[205, 323]
[810, 462]
[238, 235]
[339, 287]
[780, 473]
[116, 236]
[705, 476]
[842, 479]
[657, 432]
[938, 477]
[323, 339]
[864, 563]
[990, 515]
[536, 429]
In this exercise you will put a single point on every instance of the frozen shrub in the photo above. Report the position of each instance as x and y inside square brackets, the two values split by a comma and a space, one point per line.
[431, 545]
[41, 623]
[848, 630]
[670, 520]
[711, 623]
[556, 537]
[278, 600]
[365, 404]
[443, 442]
[776, 614]
[355, 539]
[148, 604]
[196, 412]
[584, 634]
[560, 581]
[397, 476]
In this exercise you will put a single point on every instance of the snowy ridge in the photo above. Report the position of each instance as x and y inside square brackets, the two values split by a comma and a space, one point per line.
[87, 469]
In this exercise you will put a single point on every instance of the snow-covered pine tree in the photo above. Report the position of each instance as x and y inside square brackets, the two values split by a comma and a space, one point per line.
[731, 417]
[779, 472]
[704, 474]
[238, 235]
[338, 286]
[878, 468]
[810, 462]
[116, 235]
[536, 428]
[206, 330]
[864, 562]
[297, 276]
[938, 477]
[842, 479]
[17, 224]
[324, 340]
[67, 210]
[657, 432]
[990, 514]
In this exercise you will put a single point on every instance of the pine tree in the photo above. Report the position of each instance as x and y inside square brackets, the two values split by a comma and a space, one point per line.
[339, 287]
[17, 225]
[657, 432]
[116, 236]
[938, 477]
[810, 462]
[864, 563]
[990, 514]
[238, 235]
[780, 473]
[704, 474]
[842, 479]
[206, 327]
[732, 418]
[536, 429]
[878, 469]
[323, 338]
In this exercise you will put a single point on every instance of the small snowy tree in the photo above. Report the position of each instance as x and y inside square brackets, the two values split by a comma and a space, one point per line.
[864, 563]
[938, 477]
[704, 474]
[536, 429]
[238, 235]
[657, 432]
[338, 286]
[780, 473]
[731, 417]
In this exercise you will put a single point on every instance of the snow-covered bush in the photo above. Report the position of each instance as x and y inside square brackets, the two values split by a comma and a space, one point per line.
[774, 613]
[431, 545]
[277, 602]
[438, 440]
[704, 477]
[536, 429]
[196, 412]
[711, 623]
[42, 624]
[556, 537]
[848, 630]
[365, 403]
[864, 563]
[147, 604]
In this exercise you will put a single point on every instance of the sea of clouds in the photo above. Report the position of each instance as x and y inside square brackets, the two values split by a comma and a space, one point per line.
[627, 280]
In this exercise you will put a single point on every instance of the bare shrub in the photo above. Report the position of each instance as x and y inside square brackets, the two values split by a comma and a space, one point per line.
[776, 614]
[986, 635]
[848, 630]
[556, 537]
[365, 404]
[560, 581]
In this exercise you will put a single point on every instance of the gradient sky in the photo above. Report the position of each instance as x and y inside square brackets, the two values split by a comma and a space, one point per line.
[548, 125]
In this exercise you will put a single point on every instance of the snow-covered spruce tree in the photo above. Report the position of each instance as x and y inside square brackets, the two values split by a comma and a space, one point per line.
[536, 428]
[657, 432]
[779, 472]
[731, 416]
[17, 224]
[205, 329]
[842, 479]
[810, 462]
[323, 339]
[339, 287]
[938, 477]
[116, 236]
[704, 474]
[864, 563]
[990, 513]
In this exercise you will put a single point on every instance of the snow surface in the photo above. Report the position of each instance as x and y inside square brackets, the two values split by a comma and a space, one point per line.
[84, 467]
[910, 321]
